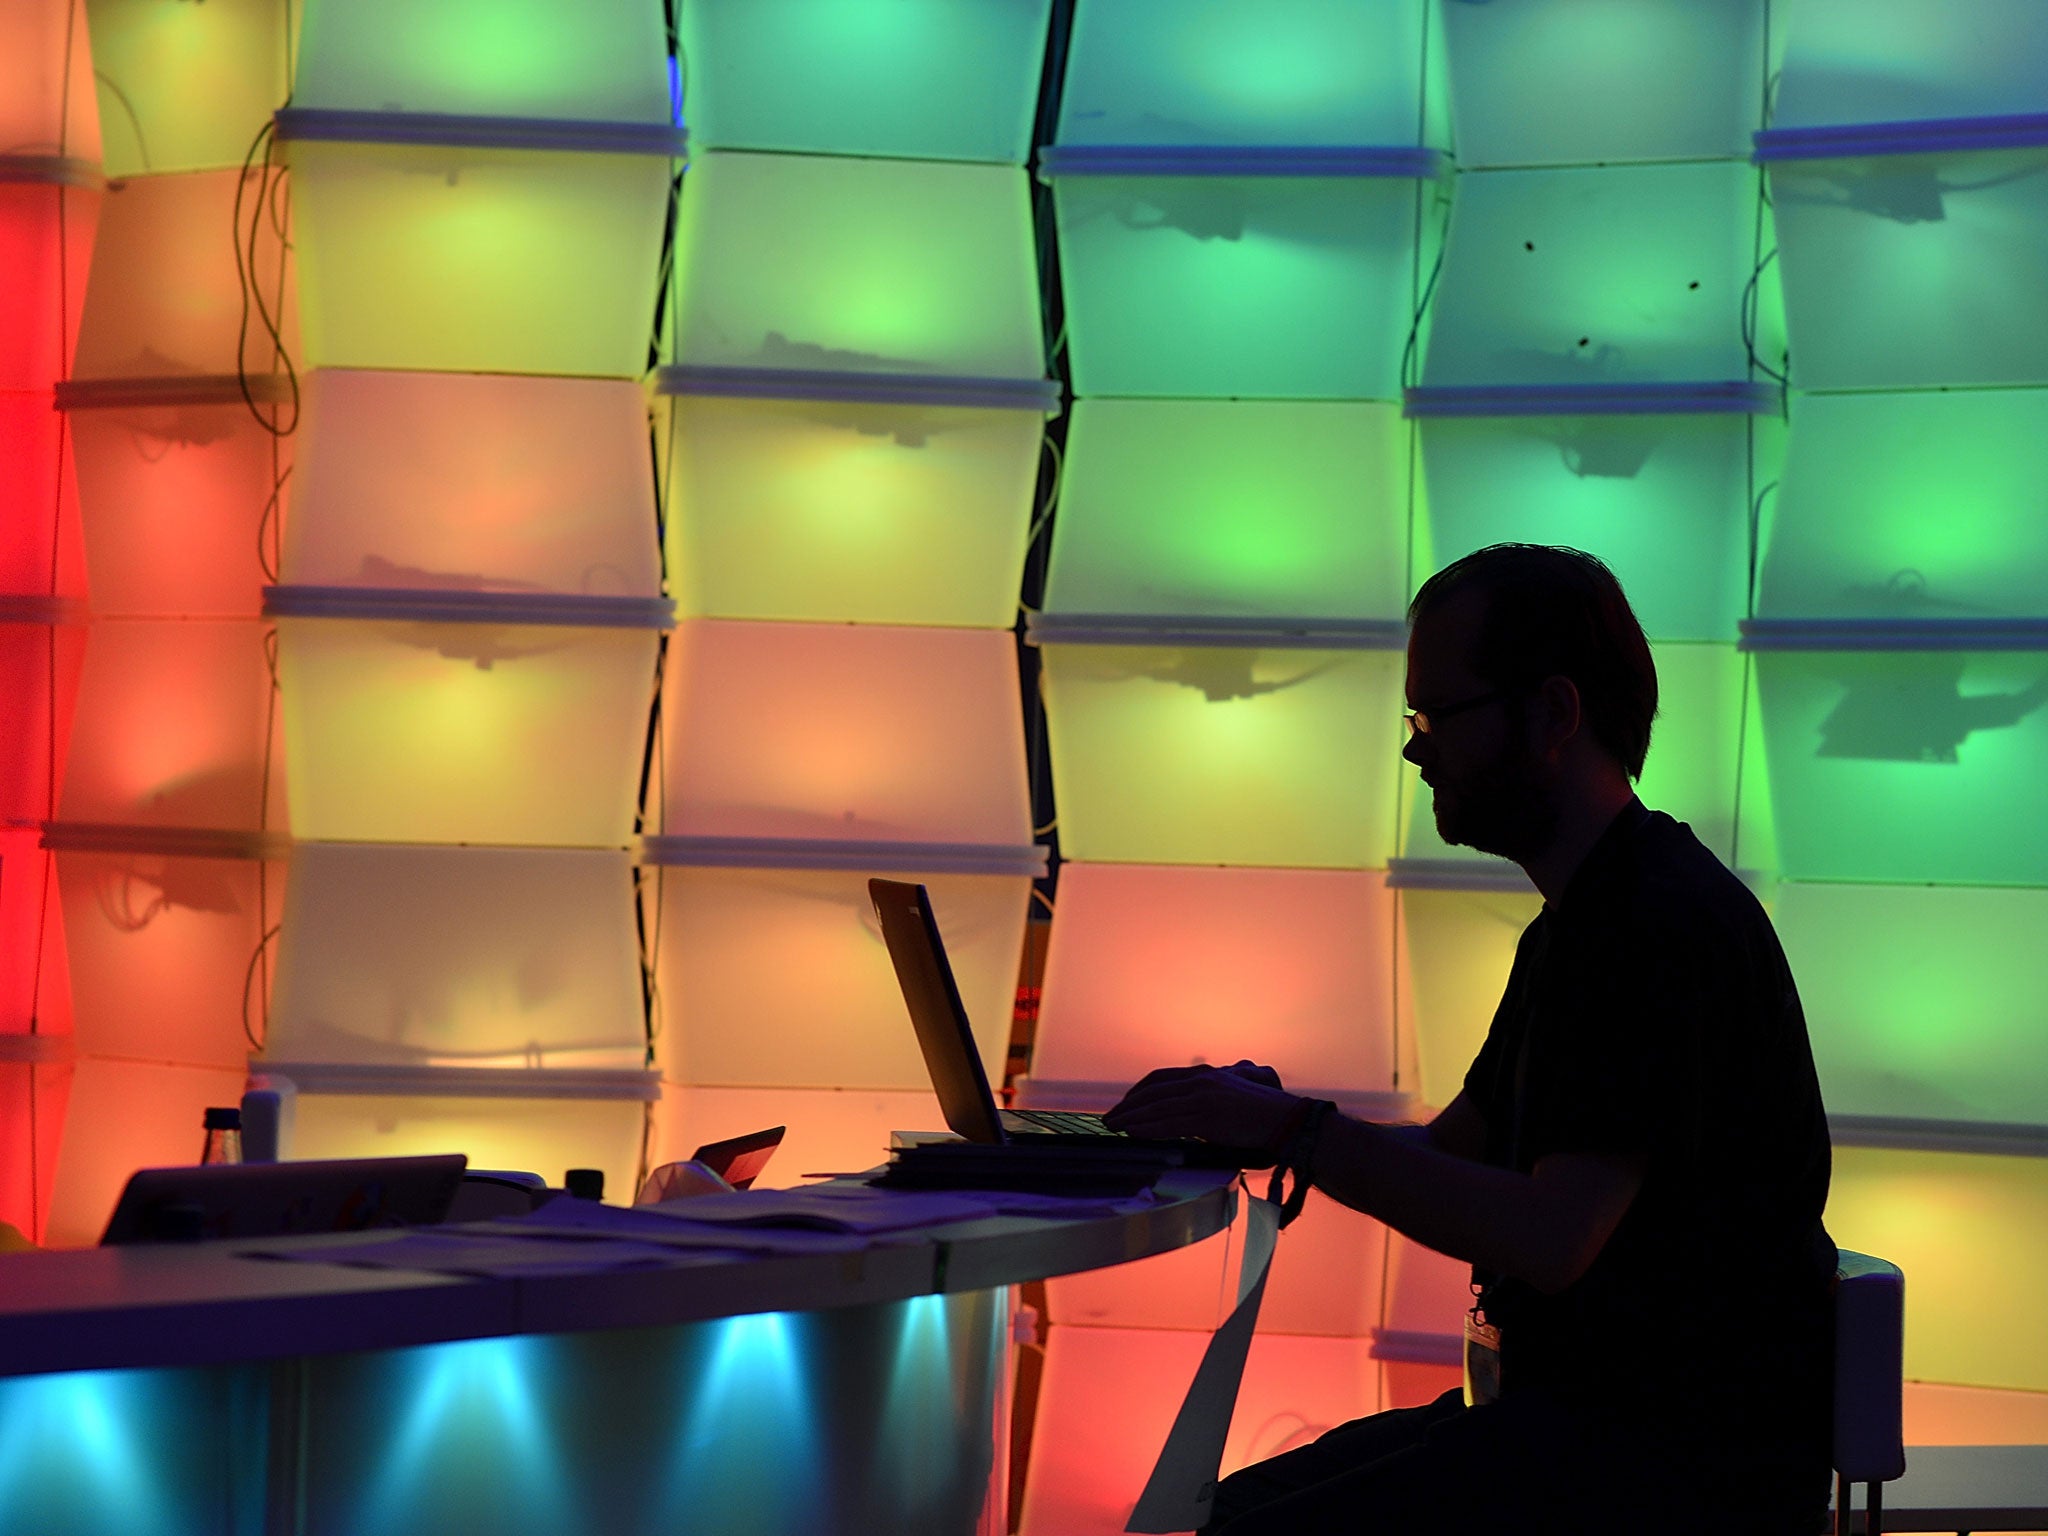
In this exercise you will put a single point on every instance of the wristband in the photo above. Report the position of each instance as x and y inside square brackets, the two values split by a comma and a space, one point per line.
[1307, 1125]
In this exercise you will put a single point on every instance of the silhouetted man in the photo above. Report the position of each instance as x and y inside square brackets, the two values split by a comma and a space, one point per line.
[1638, 1160]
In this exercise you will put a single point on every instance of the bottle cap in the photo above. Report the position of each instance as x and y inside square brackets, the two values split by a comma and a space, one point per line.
[224, 1119]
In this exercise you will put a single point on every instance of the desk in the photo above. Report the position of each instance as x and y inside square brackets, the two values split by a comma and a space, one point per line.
[1965, 1488]
[202, 1389]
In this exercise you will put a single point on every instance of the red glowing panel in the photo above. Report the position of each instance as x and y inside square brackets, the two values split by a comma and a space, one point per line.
[126, 1115]
[1428, 1296]
[34, 973]
[32, 300]
[46, 94]
[171, 726]
[830, 1130]
[32, 1102]
[39, 665]
[38, 537]
[1158, 965]
[173, 501]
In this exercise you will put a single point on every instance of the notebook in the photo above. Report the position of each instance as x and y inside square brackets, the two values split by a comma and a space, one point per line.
[221, 1200]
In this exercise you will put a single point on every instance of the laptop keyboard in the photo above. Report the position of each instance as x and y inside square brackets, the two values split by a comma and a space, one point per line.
[1059, 1122]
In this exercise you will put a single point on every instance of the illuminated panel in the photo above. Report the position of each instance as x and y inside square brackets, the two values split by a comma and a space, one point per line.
[1663, 499]
[185, 87]
[1907, 765]
[476, 260]
[46, 81]
[1949, 1221]
[1693, 765]
[46, 241]
[436, 731]
[1565, 82]
[1938, 1414]
[1232, 508]
[175, 499]
[126, 1115]
[930, 79]
[39, 666]
[1206, 754]
[824, 264]
[126, 1453]
[598, 60]
[171, 726]
[864, 513]
[1211, 72]
[1883, 61]
[459, 957]
[1427, 1297]
[1186, 1288]
[35, 987]
[780, 976]
[830, 1130]
[1254, 286]
[466, 483]
[1620, 273]
[1108, 1397]
[1911, 506]
[32, 447]
[1922, 1003]
[163, 299]
[1458, 947]
[1158, 967]
[844, 733]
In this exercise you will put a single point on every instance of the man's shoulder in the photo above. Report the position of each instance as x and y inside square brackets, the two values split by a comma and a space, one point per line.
[1669, 888]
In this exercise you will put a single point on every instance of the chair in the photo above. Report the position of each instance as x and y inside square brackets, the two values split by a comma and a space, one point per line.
[1870, 1367]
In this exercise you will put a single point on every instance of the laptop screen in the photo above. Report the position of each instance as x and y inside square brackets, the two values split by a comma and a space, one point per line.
[936, 1012]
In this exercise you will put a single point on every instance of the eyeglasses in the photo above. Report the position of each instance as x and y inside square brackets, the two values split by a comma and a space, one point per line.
[1423, 722]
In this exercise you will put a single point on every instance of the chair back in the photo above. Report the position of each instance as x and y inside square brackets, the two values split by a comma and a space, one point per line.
[1870, 1368]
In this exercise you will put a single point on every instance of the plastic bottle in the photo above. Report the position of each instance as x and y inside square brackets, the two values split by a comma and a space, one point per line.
[223, 1136]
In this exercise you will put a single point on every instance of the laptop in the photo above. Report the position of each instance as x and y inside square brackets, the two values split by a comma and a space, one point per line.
[224, 1200]
[950, 1055]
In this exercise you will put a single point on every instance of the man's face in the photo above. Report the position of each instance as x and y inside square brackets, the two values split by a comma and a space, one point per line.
[1488, 784]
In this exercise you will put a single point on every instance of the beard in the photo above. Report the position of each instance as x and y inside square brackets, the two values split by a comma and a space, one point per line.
[1504, 809]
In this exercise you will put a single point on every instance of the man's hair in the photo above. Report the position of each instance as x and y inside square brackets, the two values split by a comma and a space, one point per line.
[1557, 612]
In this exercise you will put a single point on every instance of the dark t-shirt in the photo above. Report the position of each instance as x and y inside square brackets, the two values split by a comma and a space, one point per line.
[1651, 1010]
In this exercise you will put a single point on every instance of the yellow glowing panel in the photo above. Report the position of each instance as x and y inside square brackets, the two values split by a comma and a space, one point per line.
[477, 260]
[1212, 755]
[844, 733]
[1162, 966]
[878, 514]
[436, 732]
[459, 957]
[468, 483]
[540, 1135]
[1459, 946]
[780, 976]
[184, 87]
[830, 1130]
[1955, 1224]
[46, 80]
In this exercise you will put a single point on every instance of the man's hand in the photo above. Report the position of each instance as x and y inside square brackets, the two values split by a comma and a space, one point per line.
[1238, 1106]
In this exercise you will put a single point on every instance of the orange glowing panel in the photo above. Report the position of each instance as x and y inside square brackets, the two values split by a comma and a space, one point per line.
[35, 980]
[39, 553]
[39, 665]
[164, 300]
[1428, 1295]
[177, 502]
[474, 483]
[1155, 966]
[46, 80]
[844, 733]
[171, 728]
[46, 232]
[830, 1130]
[1108, 1397]
[35, 1083]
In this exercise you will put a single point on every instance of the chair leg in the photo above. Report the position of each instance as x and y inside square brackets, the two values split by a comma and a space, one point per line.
[1841, 1505]
[1874, 1522]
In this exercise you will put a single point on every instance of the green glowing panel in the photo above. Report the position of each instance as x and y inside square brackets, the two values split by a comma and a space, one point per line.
[1232, 508]
[1595, 276]
[1912, 506]
[1884, 61]
[603, 60]
[816, 264]
[1923, 1002]
[863, 513]
[1907, 271]
[477, 260]
[186, 87]
[1197, 755]
[1237, 286]
[1563, 82]
[1957, 1225]
[1284, 72]
[1662, 499]
[1457, 948]
[1908, 765]
[1691, 772]
[932, 79]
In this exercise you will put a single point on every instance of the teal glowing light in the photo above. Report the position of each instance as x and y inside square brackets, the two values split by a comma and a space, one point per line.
[747, 1453]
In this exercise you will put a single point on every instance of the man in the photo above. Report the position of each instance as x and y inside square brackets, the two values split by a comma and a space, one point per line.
[1638, 1160]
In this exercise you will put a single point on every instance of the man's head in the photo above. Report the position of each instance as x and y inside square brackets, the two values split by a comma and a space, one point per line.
[1532, 678]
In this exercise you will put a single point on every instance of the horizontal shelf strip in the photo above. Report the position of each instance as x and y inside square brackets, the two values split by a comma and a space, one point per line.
[25, 609]
[52, 171]
[1978, 1136]
[621, 1084]
[1392, 161]
[456, 607]
[1726, 397]
[1201, 630]
[457, 132]
[1411, 1347]
[1027, 859]
[33, 1050]
[1894, 635]
[1038, 395]
[166, 842]
[182, 389]
[1458, 875]
[1930, 136]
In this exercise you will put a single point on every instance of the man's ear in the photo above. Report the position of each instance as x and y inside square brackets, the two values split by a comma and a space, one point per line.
[1557, 712]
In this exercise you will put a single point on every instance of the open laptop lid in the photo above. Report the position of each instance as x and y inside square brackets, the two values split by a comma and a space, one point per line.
[220, 1200]
[739, 1159]
[938, 1015]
